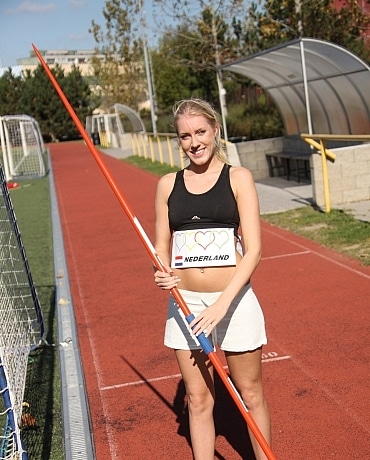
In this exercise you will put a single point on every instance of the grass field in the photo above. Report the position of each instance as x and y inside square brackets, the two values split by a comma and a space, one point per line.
[43, 386]
[336, 230]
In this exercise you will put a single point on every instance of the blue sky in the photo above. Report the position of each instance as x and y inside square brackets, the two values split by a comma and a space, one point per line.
[49, 24]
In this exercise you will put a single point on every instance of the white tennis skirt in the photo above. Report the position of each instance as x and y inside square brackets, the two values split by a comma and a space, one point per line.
[242, 328]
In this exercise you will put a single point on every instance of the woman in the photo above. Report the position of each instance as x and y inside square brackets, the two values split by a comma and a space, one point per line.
[199, 211]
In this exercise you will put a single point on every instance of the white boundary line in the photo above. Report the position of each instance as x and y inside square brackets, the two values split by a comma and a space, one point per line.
[280, 256]
[317, 254]
[174, 376]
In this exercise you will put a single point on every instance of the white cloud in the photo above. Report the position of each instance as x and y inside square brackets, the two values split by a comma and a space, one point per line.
[77, 4]
[32, 7]
[78, 38]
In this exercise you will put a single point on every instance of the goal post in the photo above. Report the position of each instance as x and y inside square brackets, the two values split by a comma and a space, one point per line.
[22, 147]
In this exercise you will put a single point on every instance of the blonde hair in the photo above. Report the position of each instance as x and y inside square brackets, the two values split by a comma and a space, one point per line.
[202, 108]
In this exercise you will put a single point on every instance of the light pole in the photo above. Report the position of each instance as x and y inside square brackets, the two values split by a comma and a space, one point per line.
[148, 73]
[221, 89]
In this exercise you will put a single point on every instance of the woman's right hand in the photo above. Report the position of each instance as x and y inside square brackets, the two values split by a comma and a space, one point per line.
[166, 280]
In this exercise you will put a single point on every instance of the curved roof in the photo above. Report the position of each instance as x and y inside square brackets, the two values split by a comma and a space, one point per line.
[318, 86]
[136, 121]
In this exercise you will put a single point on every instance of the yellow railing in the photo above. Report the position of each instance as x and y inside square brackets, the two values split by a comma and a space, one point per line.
[328, 155]
[157, 147]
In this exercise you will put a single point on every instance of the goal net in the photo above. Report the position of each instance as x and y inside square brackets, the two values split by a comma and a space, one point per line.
[21, 326]
[22, 147]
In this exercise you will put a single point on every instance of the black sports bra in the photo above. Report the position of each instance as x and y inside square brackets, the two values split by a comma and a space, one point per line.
[216, 208]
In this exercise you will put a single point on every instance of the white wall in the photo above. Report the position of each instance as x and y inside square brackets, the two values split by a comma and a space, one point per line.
[349, 175]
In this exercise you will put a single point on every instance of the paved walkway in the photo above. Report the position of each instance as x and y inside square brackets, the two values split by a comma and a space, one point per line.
[278, 194]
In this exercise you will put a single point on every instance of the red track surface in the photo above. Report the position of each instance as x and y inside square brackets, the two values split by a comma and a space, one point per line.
[316, 304]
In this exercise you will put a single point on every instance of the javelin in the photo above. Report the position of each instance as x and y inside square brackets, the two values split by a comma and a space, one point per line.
[203, 340]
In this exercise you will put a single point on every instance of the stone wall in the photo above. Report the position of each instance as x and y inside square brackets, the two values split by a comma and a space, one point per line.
[252, 155]
[349, 176]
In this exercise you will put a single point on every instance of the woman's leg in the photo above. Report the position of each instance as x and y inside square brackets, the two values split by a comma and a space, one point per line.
[246, 373]
[197, 373]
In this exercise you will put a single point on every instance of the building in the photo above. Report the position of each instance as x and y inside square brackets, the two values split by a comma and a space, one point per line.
[66, 59]
[61, 57]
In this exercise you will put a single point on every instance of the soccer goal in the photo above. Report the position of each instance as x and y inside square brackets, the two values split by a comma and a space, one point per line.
[22, 147]
[21, 327]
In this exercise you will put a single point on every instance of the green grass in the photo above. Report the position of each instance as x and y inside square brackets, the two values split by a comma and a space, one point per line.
[336, 230]
[155, 167]
[31, 203]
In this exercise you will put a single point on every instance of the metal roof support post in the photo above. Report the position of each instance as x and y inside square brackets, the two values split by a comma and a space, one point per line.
[305, 86]
[222, 94]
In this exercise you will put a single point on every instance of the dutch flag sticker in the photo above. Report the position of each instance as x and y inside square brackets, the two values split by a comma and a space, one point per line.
[178, 261]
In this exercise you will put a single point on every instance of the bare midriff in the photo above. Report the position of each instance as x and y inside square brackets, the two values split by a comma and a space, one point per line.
[206, 279]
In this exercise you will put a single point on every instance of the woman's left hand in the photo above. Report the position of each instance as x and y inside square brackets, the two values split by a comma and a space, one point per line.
[208, 319]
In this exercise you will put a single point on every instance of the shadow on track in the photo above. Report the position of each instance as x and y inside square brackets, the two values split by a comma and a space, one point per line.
[229, 423]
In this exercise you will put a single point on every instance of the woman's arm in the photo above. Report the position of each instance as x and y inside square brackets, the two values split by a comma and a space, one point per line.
[248, 206]
[165, 280]
[162, 228]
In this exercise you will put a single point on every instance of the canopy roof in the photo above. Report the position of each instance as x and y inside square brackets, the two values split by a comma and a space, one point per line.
[136, 121]
[318, 86]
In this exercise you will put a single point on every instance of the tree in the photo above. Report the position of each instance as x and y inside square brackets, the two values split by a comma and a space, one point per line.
[278, 21]
[174, 80]
[190, 51]
[11, 87]
[79, 94]
[40, 100]
[121, 75]
[183, 66]
[187, 58]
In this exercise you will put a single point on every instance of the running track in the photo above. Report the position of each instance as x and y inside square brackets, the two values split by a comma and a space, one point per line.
[316, 304]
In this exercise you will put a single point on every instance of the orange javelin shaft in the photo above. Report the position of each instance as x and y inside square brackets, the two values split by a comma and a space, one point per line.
[205, 343]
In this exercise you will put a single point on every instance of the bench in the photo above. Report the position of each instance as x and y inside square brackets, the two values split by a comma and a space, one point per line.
[288, 163]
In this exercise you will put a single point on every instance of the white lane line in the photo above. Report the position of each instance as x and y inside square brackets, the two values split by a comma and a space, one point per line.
[140, 382]
[277, 358]
[280, 256]
[174, 376]
[335, 262]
